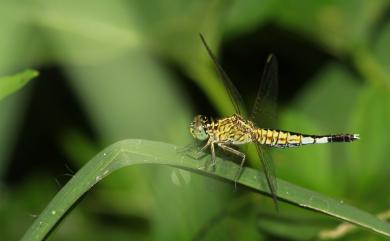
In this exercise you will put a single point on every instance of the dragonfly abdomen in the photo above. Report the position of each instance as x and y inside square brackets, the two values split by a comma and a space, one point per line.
[278, 138]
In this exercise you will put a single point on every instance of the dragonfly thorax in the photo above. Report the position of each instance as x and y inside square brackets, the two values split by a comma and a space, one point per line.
[198, 127]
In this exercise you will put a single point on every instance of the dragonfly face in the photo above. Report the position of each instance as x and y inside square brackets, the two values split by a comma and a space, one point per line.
[198, 127]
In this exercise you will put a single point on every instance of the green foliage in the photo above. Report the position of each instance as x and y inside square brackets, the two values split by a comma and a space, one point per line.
[126, 62]
[10, 108]
[134, 152]
[10, 84]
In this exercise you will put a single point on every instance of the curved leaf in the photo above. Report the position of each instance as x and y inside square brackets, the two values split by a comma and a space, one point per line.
[131, 152]
[10, 84]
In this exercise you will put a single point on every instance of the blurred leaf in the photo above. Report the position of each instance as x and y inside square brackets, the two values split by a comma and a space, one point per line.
[290, 230]
[176, 36]
[139, 100]
[369, 166]
[78, 146]
[369, 67]
[339, 25]
[131, 95]
[235, 221]
[308, 166]
[329, 98]
[127, 93]
[14, 33]
[192, 201]
[382, 48]
[119, 31]
[87, 32]
[324, 106]
[302, 224]
[130, 152]
[11, 109]
[244, 16]
[134, 94]
[10, 84]
[19, 205]
[233, 228]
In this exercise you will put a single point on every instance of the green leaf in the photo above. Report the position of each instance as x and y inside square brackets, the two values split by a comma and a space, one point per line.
[338, 25]
[382, 49]
[368, 166]
[324, 106]
[256, 14]
[333, 86]
[307, 158]
[130, 152]
[10, 110]
[10, 84]
[290, 230]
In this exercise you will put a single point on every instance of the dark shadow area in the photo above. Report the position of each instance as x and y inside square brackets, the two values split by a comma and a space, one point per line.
[243, 59]
[299, 60]
[52, 109]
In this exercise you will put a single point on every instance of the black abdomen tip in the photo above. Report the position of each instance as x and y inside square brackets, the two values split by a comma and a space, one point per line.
[343, 138]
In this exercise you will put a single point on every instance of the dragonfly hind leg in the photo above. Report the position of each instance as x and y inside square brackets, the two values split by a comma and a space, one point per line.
[237, 153]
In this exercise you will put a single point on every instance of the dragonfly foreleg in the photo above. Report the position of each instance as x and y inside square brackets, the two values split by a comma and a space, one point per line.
[200, 153]
[238, 153]
[212, 148]
[213, 161]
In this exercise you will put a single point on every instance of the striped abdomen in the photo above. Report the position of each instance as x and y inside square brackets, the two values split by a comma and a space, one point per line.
[278, 138]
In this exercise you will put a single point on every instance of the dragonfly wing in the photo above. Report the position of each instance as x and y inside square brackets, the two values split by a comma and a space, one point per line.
[264, 108]
[269, 172]
[233, 93]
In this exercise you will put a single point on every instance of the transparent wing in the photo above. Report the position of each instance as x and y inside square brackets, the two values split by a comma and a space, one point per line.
[269, 171]
[234, 96]
[264, 108]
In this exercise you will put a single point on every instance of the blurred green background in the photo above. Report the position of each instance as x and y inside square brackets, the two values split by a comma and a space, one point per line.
[113, 70]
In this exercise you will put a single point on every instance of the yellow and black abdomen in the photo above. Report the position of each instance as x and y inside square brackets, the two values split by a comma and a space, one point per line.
[278, 138]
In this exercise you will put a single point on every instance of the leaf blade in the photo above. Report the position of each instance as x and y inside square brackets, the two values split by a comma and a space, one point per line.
[11, 84]
[131, 152]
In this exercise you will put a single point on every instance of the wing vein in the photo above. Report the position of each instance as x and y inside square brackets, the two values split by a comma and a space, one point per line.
[233, 93]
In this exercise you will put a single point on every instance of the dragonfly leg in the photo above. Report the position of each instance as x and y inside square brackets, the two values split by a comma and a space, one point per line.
[238, 153]
[205, 146]
[199, 153]
[213, 161]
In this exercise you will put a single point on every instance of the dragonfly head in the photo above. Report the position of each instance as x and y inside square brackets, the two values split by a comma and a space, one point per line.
[198, 127]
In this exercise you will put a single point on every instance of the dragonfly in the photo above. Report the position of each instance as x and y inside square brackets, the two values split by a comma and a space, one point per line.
[229, 132]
